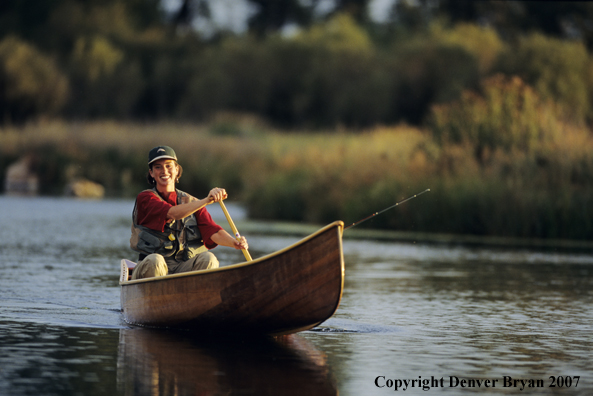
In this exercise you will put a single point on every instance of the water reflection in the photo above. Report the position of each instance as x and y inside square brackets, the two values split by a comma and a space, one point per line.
[154, 362]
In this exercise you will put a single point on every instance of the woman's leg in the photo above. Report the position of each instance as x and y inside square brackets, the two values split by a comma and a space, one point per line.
[152, 265]
[201, 261]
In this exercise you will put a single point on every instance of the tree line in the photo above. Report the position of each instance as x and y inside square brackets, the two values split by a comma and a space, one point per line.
[128, 59]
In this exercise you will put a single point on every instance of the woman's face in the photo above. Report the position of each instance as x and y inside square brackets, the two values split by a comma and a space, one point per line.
[164, 172]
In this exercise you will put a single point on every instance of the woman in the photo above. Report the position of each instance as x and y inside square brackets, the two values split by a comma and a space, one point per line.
[172, 230]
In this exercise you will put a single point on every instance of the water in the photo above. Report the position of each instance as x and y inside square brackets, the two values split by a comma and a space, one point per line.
[409, 312]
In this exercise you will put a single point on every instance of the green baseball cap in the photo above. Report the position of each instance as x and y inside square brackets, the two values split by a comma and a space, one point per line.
[161, 152]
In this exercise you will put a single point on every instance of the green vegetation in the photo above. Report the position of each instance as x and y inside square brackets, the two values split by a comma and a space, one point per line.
[127, 60]
[31, 82]
[320, 177]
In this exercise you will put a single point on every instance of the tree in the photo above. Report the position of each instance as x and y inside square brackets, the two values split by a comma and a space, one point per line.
[30, 83]
[273, 15]
[563, 19]
[507, 114]
[557, 69]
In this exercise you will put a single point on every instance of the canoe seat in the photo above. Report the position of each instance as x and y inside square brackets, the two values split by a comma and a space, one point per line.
[127, 267]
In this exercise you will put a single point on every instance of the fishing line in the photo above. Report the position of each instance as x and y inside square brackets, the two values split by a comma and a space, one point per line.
[386, 209]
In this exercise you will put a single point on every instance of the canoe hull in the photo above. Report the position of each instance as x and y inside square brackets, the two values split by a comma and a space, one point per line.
[291, 290]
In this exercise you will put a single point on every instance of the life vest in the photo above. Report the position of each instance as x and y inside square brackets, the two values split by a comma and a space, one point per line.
[180, 241]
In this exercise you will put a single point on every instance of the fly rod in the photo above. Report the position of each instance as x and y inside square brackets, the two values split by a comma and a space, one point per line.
[386, 209]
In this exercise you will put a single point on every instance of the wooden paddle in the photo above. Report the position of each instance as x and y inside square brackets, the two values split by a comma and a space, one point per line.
[235, 231]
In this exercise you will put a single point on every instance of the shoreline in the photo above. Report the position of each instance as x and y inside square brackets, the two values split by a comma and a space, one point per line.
[303, 229]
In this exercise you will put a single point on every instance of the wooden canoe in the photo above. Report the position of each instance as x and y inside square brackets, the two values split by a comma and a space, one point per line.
[294, 289]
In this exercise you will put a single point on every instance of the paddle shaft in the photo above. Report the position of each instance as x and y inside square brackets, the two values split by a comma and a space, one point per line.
[235, 231]
[386, 209]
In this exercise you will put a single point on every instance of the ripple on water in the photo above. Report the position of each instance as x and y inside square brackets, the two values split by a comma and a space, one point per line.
[407, 309]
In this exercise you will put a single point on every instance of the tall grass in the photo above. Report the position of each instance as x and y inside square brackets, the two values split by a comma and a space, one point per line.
[321, 177]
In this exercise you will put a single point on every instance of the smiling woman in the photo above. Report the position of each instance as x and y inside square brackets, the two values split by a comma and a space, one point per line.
[172, 230]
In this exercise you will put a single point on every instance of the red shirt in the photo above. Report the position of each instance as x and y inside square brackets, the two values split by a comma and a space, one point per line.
[152, 213]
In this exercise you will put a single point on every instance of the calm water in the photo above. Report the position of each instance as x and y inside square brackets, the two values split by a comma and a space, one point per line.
[409, 312]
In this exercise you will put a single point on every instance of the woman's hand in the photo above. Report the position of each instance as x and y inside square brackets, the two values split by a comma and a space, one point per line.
[241, 243]
[223, 238]
[217, 194]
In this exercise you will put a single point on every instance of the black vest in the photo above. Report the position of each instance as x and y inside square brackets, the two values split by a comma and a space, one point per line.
[180, 241]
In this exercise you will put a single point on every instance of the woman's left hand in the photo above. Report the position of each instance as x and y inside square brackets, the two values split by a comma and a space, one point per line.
[241, 243]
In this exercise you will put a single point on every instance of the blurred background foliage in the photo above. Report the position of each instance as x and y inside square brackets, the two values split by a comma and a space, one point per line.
[144, 59]
[488, 103]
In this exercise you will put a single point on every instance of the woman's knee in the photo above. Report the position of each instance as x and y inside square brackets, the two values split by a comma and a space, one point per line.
[206, 260]
[155, 259]
[152, 265]
[213, 260]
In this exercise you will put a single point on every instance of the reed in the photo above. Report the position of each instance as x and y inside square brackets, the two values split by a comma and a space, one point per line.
[320, 177]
